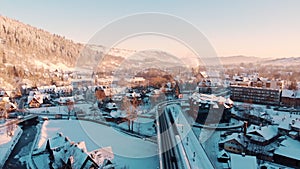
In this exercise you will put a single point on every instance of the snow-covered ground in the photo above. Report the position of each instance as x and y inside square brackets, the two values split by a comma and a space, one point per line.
[7, 142]
[60, 109]
[141, 125]
[128, 151]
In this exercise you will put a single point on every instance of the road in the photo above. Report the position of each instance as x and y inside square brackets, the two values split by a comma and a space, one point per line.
[22, 148]
[168, 152]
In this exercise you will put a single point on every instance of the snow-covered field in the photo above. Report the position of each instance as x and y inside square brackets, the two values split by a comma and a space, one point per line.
[141, 125]
[128, 151]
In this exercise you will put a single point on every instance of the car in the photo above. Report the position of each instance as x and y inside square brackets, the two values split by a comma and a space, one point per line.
[44, 118]
[18, 115]
[117, 98]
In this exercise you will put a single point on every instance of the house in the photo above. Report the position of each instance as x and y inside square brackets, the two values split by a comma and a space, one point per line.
[223, 156]
[236, 143]
[65, 100]
[284, 127]
[262, 135]
[4, 93]
[10, 107]
[65, 90]
[137, 80]
[60, 152]
[290, 98]
[110, 106]
[293, 134]
[289, 125]
[35, 101]
[207, 108]
[243, 161]
[296, 125]
[288, 153]
[46, 89]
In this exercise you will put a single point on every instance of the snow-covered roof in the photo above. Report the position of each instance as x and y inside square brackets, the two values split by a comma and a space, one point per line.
[9, 105]
[63, 89]
[297, 94]
[266, 132]
[2, 92]
[289, 148]
[290, 93]
[287, 93]
[79, 97]
[4, 99]
[71, 152]
[116, 114]
[211, 99]
[208, 97]
[223, 154]
[229, 101]
[38, 97]
[240, 138]
[65, 151]
[245, 162]
[46, 88]
[8, 93]
[285, 125]
[65, 99]
[111, 105]
[32, 93]
[57, 141]
[293, 133]
[296, 124]
[102, 154]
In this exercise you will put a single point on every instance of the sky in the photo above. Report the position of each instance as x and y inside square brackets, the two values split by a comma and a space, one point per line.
[262, 28]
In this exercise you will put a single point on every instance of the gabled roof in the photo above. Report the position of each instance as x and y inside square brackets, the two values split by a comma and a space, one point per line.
[296, 124]
[38, 98]
[65, 99]
[240, 138]
[266, 132]
[102, 154]
[223, 154]
[285, 125]
[58, 141]
[289, 148]
[67, 152]
[290, 93]
[72, 153]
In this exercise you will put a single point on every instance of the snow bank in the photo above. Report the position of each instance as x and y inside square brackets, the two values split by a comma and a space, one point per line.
[7, 143]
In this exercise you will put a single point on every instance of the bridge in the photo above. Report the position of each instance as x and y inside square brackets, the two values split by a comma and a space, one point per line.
[178, 145]
[28, 119]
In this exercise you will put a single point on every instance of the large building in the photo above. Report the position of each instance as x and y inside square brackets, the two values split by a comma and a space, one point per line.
[290, 98]
[256, 95]
[210, 109]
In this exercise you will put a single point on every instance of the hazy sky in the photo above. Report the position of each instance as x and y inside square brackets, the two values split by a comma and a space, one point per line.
[264, 28]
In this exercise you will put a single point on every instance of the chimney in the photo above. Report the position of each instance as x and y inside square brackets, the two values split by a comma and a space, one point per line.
[245, 127]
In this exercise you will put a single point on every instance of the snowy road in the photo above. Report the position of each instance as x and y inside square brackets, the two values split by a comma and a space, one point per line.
[170, 152]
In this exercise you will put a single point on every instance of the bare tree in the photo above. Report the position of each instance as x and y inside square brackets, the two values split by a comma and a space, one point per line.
[130, 108]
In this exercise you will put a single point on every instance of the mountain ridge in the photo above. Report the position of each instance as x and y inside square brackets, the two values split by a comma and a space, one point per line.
[26, 51]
